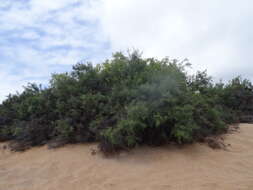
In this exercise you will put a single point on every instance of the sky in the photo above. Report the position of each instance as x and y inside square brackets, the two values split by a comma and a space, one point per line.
[41, 37]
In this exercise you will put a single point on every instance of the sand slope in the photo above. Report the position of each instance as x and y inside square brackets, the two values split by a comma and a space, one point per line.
[73, 167]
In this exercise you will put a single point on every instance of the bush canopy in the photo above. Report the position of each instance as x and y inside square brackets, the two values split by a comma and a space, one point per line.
[124, 102]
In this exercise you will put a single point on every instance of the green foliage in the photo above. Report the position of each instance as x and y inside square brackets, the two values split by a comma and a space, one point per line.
[125, 102]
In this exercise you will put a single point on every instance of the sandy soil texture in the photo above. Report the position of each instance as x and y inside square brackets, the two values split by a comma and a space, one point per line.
[73, 167]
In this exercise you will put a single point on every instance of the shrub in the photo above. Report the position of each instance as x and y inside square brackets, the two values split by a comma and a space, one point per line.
[125, 102]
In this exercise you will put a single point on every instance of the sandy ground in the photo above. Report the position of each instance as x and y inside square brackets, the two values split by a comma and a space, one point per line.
[194, 167]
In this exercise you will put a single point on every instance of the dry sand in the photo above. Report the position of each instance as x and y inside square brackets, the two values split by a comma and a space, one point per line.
[194, 167]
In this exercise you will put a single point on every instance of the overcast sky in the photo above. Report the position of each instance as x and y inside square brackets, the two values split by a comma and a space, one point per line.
[40, 37]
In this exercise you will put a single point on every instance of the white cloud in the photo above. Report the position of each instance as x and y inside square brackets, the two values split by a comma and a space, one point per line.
[40, 37]
[209, 33]
[30, 35]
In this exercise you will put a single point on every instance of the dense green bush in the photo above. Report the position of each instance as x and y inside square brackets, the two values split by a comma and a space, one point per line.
[124, 102]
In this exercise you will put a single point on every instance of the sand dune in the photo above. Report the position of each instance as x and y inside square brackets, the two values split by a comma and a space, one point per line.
[73, 167]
